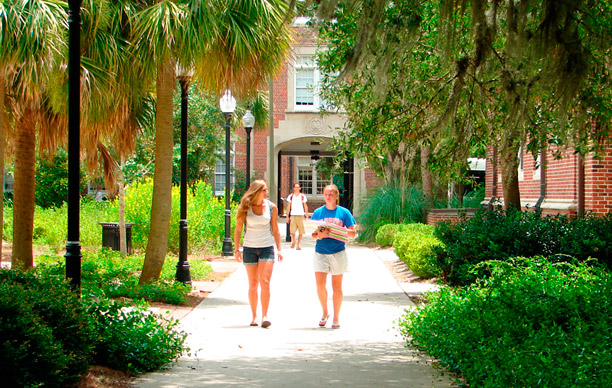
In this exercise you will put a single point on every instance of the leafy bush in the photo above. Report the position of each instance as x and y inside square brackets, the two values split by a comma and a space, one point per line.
[51, 188]
[390, 204]
[108, 273]
[386, 234]
[532, 323]
[46, 338]
[499, 235]
[132, 339]
[413, 245]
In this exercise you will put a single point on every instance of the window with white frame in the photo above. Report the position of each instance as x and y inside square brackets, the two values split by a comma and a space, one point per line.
[305, 179]
[307, 79]
[220, 174]
[311, 180]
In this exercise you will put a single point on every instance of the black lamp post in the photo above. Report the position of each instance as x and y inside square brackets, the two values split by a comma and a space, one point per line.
[73, 246]
[248, 120]
[182, 267]
[227, 104]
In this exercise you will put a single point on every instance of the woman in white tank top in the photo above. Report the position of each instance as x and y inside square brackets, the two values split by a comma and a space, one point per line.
[259, 218]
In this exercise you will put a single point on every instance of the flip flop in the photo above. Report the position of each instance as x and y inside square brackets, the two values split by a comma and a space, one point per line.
[323, 321]
[266, 324]
[335, 325]
[254, 324]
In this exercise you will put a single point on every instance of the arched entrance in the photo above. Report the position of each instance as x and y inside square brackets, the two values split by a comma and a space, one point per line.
[308, 161]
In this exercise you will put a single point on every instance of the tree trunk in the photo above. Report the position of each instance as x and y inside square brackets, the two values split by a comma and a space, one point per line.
[509, 163]
[161, 207]
[3, 125]
[426, 177]
[23, 196]
[122, 233]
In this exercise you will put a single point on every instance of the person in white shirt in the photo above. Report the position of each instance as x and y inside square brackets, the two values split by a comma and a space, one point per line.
[259, 218]
[297, 211]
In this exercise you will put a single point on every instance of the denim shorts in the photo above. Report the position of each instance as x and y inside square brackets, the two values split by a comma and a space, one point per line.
[252, 256]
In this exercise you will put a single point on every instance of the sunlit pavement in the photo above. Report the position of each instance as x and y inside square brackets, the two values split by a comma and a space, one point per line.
[367, 351]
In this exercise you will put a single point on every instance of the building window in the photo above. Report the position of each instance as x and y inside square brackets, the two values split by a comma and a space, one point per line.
[307, 79]
[220, 174]
[305, 179]
[311, 180]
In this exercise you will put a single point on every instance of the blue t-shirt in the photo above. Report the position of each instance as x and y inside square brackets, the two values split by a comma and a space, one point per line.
[339, 216]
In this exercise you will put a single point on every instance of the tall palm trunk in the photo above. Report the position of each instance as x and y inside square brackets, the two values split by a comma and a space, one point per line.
[3, 125]
[122, 232]
[161, 207]
[23, 198]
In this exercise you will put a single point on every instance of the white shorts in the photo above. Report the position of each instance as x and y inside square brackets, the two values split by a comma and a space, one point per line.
[335, 263]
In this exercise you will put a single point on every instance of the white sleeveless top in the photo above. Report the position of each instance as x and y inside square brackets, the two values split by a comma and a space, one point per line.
[258, 232]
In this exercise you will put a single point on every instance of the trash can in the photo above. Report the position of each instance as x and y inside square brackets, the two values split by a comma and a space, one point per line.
[110, 236]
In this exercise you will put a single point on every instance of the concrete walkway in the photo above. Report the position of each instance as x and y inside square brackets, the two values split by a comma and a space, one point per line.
[367, 351]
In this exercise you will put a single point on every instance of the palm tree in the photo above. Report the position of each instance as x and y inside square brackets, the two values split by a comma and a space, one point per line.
[109, 108]
[32, 40]
[233, 44]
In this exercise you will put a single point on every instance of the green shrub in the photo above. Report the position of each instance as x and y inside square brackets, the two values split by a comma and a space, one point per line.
[386, 234]
[531, 323]
[413, 245]
[110, 274]
[51, 189]
[46, 338]
[390, 204]
[134, 340]
[499, 235]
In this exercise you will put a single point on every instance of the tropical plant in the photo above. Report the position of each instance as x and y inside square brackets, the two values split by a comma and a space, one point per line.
[31, 41]
[390, 204]
[238, 45]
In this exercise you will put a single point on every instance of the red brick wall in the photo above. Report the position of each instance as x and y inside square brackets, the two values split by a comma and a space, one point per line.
[598, 182]
[562, 181]
[435, 216]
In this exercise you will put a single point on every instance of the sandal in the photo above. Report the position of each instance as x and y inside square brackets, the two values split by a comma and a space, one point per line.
[335, 325]
[254, 324]
[323, 321]
[266, 324]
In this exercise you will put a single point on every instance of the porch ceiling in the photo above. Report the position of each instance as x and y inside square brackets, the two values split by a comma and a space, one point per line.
[307, 148]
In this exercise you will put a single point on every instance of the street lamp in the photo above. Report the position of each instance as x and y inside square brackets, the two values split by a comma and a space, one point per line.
[73, 246]
[227, 104]
[248, 120]
[182, 267]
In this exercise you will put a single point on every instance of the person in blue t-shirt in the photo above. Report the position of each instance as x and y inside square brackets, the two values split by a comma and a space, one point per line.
[330, 254]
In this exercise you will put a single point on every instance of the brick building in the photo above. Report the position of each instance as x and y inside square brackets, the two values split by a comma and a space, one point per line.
[564, 185]
[301, 136]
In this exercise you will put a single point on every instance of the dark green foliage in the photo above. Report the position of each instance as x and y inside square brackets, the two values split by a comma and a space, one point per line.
[46, 338]
[390, 204]
[52, 180]
[499, 235]
[531, 323]
[132, 339]
[49, 337]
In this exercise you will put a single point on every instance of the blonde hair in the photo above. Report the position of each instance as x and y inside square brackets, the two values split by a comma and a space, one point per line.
[333, 187]
[253, 191]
